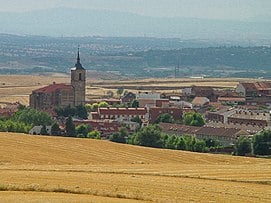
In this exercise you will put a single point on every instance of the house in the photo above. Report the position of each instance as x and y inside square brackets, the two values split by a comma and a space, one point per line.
[226, 136]
[176, 113]
[244, 117]
[221, 115]
[254, 89]
[36, 130]
[177, 129]
[128, 98]
[106, 127]
[9, 109]
[200, 102]
[147, 99]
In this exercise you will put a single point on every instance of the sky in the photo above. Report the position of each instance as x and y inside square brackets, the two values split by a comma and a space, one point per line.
[211, 9]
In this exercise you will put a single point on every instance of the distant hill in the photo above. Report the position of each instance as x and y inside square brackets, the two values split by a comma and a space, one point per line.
[78, 22]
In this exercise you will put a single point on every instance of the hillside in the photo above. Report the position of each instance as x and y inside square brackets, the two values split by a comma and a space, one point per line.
[43, 150]
[38, 168]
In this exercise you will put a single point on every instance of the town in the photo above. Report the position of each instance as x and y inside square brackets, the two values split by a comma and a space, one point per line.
[216, 119]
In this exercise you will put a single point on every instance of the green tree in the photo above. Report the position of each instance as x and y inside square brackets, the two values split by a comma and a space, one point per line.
[137, 120]
[180, 144]
[55, 130]
[199, 146]
[171, 142]
[120, 136]
[70, 127]
[43, 130]
[95, 134]
[88, 107]
[135, 104]
[262, 143]
[243, 146]
[94, 106]
[189, 142]
[103, 104]
[149, 136]
[81, 112]
[82, 130]
[32, 117]
[193, 119]
[165, 118]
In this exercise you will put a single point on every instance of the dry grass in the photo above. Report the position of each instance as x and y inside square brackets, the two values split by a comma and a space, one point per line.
[80, 168]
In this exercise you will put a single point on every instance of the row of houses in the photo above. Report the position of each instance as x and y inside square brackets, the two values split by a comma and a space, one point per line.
[226, 136]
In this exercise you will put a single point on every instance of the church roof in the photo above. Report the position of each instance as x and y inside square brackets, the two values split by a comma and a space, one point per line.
[53, 88]
[78, 65]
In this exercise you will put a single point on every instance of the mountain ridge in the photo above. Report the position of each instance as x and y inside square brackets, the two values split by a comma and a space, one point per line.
[85, 22]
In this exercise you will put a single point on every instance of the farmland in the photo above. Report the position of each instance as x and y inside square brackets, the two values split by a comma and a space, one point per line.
[18, 87]
[35, 168]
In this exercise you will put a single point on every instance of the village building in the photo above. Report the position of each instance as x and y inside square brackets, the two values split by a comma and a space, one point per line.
[226, 136]
[106, 126]
[239, 118]
[36, 130]
[62, 95]
[254, 89]
[128, 98]
[175, 112]
[200, 102]
[120, 113]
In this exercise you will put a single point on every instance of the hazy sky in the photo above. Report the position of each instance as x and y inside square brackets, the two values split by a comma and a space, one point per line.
[215, 9]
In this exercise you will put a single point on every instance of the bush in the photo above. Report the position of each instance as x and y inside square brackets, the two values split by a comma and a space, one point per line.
[95, 134]
[82, 130]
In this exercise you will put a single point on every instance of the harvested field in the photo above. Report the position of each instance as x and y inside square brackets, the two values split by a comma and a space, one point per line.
[15, 88]
[83, 170]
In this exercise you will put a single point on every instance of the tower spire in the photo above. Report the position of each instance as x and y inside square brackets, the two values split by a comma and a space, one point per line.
[78, 56]
[78, 65]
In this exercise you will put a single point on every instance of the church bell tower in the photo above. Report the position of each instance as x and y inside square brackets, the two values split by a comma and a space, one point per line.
[78, 81]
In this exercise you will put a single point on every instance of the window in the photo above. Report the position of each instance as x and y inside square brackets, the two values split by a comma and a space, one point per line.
[80, 76]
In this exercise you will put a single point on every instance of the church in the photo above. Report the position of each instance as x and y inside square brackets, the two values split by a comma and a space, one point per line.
[61, 95]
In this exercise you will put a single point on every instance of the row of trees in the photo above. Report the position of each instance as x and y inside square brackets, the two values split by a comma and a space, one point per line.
[260, 144]
[78, 111]
[189, 118]
[24, 119]
[81, 131]
[152, 136]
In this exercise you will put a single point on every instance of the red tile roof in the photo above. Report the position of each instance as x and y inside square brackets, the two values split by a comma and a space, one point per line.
[231, 99]
[179, 129]
[53, 87]
[220, 131]
[122, 111]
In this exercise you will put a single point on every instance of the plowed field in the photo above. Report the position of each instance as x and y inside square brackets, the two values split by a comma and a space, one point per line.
[57, 169]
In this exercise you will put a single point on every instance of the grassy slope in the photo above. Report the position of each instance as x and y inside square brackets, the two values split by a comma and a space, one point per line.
[81, 168]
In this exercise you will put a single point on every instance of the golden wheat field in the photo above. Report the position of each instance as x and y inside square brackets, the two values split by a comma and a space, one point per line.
[58, 169]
